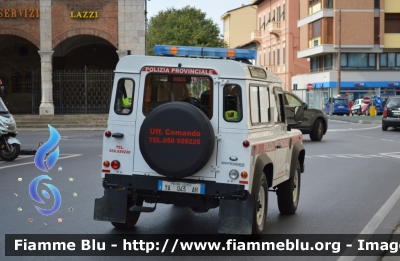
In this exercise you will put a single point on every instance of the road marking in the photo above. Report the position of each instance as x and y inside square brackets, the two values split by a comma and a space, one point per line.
[387, 140]
[21, 157]
[351, 129]
[361, 156]
[322, 156]
[364, 136]
[376, 220]
[17, 165]
[309, 157]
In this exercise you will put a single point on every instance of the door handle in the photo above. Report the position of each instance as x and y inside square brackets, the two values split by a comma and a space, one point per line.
[118, 135]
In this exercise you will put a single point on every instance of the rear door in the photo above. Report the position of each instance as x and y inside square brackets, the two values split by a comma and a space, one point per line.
[159, 86]
[121, 124]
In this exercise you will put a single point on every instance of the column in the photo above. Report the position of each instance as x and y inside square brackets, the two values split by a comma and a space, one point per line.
[131, 27]
[46, 54]
[46, 106]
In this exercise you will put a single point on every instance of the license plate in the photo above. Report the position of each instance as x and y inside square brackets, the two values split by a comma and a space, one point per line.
[340, 106]
[181, 187]
[396, 113]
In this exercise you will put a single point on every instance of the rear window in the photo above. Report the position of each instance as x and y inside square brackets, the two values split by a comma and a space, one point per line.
[393, 102]
[164, 88]
[340, 102]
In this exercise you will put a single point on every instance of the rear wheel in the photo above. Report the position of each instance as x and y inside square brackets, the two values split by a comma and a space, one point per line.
[260, 206]
[289, 192]
[11, 154]
[384, 127]
[318, 131]
[131, 217]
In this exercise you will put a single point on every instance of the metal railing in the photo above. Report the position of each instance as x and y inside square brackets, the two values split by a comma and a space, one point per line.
[76, 91]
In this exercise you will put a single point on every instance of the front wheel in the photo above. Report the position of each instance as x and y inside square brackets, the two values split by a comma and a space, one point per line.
[318, 131]
[289, 192]
[260, 206]
[9, 155]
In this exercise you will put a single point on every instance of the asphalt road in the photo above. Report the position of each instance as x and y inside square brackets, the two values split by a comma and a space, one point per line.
[349, 186]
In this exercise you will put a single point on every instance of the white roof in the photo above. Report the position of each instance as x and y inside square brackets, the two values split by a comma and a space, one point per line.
[224, 68]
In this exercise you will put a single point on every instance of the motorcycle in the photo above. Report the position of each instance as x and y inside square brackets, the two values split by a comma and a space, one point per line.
[9, 146]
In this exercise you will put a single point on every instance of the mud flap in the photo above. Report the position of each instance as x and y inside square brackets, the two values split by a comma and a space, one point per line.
[112, 206]
[236, 217]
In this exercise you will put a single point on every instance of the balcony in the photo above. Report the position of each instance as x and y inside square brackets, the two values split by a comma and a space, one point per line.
[392, 41]
[274, 28]
[256, 36]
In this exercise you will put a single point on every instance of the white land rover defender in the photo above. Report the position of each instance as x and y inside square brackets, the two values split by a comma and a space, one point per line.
[202, 133]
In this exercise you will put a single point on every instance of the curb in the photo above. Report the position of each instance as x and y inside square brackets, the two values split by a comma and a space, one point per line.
[63, 129]
[348, 119]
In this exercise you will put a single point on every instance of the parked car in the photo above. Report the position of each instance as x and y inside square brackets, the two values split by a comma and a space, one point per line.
[391, 113]
[359, 107]
[340, 107]
[314, 122]
[378, 108]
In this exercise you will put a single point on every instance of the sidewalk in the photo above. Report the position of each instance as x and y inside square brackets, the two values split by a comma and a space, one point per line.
[358, 119]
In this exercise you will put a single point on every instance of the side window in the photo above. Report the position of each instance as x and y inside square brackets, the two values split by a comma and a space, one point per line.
[124, 99]
[292, 100]
[232, 103]
[279, 100]
[259, 105]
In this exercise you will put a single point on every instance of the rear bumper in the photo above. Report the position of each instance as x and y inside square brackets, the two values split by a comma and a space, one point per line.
[151, 184]
[391, 122]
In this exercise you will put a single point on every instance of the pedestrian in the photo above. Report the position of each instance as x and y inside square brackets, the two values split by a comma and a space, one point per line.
[350, 104]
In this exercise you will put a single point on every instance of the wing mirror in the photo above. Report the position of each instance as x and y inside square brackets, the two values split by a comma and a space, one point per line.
[305, 106]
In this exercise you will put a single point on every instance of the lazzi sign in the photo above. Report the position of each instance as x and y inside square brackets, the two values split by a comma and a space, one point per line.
[17, 13]
[84, 15]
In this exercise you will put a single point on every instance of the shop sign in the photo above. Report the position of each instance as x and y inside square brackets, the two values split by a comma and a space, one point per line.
[358, 84]
[84, 15]
[16, 13]
[394, 84]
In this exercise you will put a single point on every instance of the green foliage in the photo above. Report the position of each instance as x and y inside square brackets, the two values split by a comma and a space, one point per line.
[187, 26]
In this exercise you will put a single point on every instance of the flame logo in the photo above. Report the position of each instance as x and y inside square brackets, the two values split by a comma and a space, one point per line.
[45, 148]
[34, 195]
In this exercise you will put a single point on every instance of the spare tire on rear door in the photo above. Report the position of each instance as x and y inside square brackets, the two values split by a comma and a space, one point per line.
[176, 139]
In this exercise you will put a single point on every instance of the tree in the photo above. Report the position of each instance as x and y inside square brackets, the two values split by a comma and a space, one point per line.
[187, 26]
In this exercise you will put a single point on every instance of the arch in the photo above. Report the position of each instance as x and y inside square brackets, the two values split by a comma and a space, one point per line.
[84, 31]
[20, 33]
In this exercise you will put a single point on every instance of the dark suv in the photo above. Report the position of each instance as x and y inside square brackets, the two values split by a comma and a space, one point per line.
[391, 113]
[315, 122]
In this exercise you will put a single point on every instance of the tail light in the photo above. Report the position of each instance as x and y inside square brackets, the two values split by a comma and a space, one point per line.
[246, 143]
[115, 164]
[385, 112]
[107, 134]
[106, 163]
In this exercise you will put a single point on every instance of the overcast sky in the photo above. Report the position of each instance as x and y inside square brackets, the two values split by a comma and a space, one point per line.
[213, 8]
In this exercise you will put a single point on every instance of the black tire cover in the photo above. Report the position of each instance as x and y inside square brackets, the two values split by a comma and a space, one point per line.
[176, 139]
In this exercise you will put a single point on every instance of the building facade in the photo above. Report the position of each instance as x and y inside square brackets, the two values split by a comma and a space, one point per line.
[238, 25]
[39, 38]
[278, 39]
[367, 35]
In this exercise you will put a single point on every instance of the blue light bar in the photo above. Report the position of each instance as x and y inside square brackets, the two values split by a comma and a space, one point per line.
[212, 52]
